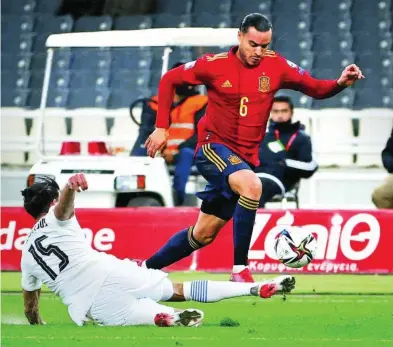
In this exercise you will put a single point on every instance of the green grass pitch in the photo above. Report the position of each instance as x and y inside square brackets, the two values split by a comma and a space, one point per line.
[323, 311]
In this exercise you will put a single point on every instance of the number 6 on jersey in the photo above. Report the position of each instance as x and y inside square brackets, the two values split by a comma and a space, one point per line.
[243, 109]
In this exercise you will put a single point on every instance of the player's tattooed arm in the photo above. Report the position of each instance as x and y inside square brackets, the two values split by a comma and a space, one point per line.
[31, 300]
[64, 209]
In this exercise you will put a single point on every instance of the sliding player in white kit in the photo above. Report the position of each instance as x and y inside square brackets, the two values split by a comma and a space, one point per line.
[98, 286]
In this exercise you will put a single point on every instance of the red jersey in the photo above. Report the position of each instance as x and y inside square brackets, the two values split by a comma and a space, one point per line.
[239, 98]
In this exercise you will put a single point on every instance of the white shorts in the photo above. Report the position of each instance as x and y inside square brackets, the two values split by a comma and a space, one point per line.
[130, 294]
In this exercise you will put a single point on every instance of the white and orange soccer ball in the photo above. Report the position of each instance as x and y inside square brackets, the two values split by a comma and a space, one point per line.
[295, 247]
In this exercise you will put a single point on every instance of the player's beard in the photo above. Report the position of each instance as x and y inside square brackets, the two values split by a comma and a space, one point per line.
[244, 59]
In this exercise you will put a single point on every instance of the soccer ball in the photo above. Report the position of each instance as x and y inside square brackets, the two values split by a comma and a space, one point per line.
[295, 247]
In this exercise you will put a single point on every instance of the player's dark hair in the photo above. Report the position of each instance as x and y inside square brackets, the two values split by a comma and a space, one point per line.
[256, 20]
[284, 98]
[38, 197]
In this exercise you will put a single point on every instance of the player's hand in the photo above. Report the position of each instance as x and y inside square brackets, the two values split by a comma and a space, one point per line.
[350, 74]
[156, 141]
[78, 182]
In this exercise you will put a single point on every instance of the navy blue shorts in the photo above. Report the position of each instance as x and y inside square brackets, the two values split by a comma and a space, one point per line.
[216, 162]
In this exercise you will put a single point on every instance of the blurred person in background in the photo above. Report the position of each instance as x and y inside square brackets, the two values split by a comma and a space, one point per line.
[383, 195]
[188, 107]
[285, 153]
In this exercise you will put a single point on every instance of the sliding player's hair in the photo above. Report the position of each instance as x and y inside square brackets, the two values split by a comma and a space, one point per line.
[256, 20]
[284, 98]
[38, 197]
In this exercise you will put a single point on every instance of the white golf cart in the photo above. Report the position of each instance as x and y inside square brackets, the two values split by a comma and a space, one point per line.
[117, 181]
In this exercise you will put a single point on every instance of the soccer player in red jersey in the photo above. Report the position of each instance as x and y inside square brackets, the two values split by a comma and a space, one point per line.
[240, 85]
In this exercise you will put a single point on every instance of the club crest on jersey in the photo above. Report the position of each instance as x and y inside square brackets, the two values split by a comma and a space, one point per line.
[264, 84]
[234, 159]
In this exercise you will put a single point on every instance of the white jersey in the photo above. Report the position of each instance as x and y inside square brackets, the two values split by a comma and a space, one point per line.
[57, 254]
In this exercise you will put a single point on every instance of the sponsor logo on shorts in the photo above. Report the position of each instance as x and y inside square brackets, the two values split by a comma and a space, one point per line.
[234, 159]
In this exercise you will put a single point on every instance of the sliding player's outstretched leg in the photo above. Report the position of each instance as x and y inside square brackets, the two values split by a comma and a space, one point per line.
[132, 295]
[212, 291]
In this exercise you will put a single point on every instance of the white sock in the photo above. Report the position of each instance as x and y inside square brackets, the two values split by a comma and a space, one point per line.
[212, 291]
[238, 268]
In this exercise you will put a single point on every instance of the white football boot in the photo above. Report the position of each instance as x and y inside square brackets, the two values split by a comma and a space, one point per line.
[186, 318]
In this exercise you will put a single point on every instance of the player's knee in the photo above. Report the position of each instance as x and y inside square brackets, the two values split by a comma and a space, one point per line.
[252, 189]
[207, 227]
[205, 234]
[255, 187]
[246, 183]
[207, 239]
